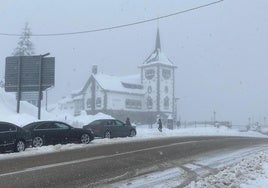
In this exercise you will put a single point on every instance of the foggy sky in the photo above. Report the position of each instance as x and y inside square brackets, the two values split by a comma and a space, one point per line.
[221, 51]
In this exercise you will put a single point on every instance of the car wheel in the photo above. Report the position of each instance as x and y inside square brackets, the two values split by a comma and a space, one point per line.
[38, 142]
[85, 139]
[132, 133]
[107, 134]
[20, 146]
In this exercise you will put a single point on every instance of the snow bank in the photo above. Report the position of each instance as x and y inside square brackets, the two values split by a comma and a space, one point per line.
[249, 172]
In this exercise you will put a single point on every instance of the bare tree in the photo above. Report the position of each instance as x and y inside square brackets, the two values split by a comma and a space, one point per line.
[25, 46]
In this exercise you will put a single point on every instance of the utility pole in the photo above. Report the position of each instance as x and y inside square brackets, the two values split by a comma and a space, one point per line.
[214, 117]
[46, 99]
[47, 96]
[40, 84]
[19, 85]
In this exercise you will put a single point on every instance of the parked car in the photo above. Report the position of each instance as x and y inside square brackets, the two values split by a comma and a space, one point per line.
[56, 132]
[110, 128]
[13, 138]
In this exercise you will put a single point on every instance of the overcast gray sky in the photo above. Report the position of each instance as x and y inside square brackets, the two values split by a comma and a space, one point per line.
[220, 51]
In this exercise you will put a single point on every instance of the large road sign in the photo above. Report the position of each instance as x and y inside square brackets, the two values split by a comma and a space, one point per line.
[29, 96]
[23, 73]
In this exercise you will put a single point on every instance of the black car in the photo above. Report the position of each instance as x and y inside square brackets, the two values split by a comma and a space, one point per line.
[56, 132]
[110, 128]
[13, 138]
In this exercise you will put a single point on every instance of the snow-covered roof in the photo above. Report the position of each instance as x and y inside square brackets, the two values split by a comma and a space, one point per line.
[128, 84]
[78, 97]
[132, 79]
[158, 57]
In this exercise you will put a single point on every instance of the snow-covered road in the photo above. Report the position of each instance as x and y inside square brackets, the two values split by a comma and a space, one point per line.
[243, 168]
[215, 168]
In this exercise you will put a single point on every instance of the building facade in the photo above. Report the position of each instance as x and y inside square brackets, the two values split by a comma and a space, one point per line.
[142, 97]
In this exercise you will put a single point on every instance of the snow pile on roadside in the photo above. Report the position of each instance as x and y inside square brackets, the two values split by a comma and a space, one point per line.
[84, 119]
[28, 112]
[146, 131]
[43, 150]
[261, 181]
[242, 174]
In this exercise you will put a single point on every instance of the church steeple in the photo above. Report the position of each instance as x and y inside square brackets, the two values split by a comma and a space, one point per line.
[157, 56]
[157, 41]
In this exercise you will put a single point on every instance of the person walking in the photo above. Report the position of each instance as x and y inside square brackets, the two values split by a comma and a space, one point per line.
[159, 125]
[128, 121]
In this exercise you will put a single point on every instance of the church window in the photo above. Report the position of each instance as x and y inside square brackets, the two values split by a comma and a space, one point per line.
[166, 89]
[149, 74]
[166, 73]
[149, 102]
[149, 89]
[98, 102]
[166, 103]
[89, 102]
[133, 104]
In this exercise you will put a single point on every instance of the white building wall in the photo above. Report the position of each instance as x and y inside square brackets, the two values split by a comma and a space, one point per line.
[99, 95]
[117, 101]
[166, 92]
[88, 95]
[150, 83]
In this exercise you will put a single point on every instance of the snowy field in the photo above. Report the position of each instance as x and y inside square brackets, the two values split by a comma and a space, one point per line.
[245, 168]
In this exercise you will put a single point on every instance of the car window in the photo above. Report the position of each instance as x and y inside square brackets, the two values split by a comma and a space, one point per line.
[97, 122]
[110, 122]
[7, 127]
[58, 125]
[31, 125]
[118, 123]
[43, 126]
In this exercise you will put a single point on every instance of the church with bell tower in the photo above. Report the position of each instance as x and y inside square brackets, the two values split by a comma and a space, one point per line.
[158, 80]
[142, 97]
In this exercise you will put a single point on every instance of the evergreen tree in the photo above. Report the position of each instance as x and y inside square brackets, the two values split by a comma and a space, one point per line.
[25, 46]
[2, 84]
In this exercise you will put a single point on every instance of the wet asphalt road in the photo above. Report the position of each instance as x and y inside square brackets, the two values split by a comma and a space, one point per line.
[98, 165]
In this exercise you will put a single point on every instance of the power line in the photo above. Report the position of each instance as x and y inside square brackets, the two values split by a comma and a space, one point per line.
[118, 26]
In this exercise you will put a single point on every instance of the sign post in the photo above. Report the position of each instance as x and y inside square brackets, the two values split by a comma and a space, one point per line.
[19, 85]
[40, 84]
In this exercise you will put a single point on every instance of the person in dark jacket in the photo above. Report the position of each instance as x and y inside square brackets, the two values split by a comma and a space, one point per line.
[128, 121]
[159, 125]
